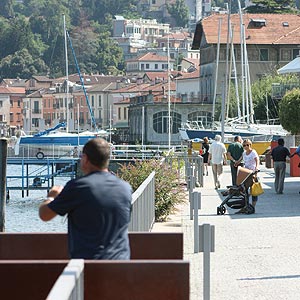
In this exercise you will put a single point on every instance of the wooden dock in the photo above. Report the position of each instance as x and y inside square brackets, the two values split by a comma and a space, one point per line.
[43, 176]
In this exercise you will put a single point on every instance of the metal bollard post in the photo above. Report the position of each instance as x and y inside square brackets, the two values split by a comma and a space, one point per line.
[3, 157]
[191, 187]
[206, 245]
[196, 207]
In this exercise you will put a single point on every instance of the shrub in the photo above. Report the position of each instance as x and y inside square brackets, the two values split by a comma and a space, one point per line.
[168, 191]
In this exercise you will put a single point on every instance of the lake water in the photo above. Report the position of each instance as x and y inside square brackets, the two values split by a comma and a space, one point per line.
[21, 214]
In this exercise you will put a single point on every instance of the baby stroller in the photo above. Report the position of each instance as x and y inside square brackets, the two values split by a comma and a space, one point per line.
[237, 196]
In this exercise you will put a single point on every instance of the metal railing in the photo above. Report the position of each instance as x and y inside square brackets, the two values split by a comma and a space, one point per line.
[143, 206]
[69, 284]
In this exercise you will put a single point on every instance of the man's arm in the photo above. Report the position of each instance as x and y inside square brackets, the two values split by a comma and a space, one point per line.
[229, 156]
[46, 213]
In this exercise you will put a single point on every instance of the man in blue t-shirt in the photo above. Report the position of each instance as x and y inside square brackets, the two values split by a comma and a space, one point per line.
[98, 207]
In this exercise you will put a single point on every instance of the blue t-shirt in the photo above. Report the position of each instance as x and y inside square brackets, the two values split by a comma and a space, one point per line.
[99, 208]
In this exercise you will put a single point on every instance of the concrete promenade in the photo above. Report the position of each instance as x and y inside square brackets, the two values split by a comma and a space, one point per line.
[256, 256]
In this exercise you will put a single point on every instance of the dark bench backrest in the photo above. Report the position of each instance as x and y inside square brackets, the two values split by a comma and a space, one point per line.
[109, 280]
[144, 245]
[136, 280]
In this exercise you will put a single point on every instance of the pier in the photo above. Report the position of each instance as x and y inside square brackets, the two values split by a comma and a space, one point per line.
[42, 177]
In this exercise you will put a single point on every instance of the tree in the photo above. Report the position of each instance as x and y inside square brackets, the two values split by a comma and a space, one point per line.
[180, 12]
[99, 9]
[6, 8]
[262, 94]
[22, 64]
[271, 6]
[289, 111]
[17, 35]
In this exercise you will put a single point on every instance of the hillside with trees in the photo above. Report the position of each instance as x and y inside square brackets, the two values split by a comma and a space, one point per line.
[32, 36]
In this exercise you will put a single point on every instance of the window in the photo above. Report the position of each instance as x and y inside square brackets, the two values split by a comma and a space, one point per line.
[92, 101]
[142, 66]
[125, 113]
[263, 54]
[161, 124]
[295, 53]
[1, 104]
[119, 113]
[286, 54]
[11, 103]
[11, 117]
[156, 66]
[19, 103]
[99, 101]
[153, 1]
[147, 66]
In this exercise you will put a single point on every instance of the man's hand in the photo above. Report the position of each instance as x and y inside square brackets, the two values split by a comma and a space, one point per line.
[45, 213]
[55, 191]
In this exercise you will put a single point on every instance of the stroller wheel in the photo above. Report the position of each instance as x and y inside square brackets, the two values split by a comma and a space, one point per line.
[221, 210]
[250, 209]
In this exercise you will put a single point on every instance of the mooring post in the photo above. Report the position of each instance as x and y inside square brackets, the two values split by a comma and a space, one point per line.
[3, 158]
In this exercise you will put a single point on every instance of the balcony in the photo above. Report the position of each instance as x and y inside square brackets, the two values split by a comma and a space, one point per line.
[36, 111]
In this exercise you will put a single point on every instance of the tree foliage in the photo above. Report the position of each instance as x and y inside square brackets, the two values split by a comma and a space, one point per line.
[180, 12]
[271, 6]
[6, 8]
[21, 64]
[168, 192]
[262, 95]
[37, 26]
[289, 111]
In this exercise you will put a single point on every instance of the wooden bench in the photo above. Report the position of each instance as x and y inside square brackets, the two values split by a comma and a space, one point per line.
[109, 280]
[144, 245]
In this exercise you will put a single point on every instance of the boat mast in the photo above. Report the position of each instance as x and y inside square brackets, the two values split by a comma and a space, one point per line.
[242, 59]
[93, 122]
[225, 96]
[236, 82]
[169, 96]
[67, 75]
[216, 74]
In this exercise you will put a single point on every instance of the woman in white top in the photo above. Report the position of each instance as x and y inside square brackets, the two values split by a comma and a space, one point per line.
[251, 161]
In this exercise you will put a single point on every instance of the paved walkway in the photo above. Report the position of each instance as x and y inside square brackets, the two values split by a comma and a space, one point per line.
[256, 256]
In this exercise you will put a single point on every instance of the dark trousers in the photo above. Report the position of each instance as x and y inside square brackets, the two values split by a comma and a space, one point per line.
[279, 168]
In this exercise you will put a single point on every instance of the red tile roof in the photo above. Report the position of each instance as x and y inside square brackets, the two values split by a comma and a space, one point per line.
[150, 56]
[12, 90]
[273, 33]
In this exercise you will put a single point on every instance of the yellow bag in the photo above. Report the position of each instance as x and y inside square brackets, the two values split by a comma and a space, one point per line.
[256, 189]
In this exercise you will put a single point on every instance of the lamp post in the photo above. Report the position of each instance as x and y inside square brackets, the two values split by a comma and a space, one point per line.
[78, 123]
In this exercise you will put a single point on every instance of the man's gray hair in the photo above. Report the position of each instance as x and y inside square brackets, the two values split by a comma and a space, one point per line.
[218, 138]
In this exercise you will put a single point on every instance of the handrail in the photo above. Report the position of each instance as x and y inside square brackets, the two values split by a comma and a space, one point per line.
[143, 206]
[69, 284]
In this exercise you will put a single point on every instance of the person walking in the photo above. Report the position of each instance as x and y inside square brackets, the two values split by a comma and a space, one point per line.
[205, 153]
[251, 161]
[217, 157]
[235, 155]
[279, 155]
[98, 207]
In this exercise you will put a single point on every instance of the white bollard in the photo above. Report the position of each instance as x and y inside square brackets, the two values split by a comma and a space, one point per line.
[206, 245]
[196, 206]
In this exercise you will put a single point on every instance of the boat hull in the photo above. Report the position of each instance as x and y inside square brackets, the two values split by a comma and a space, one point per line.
[56, 140]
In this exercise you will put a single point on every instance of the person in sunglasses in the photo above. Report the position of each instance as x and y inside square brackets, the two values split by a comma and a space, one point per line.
[251, 161]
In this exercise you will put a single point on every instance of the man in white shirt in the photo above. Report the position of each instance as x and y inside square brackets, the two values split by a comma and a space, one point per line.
[217, 157]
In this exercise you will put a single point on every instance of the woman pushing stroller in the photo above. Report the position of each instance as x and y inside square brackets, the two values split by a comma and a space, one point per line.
[251, 162]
